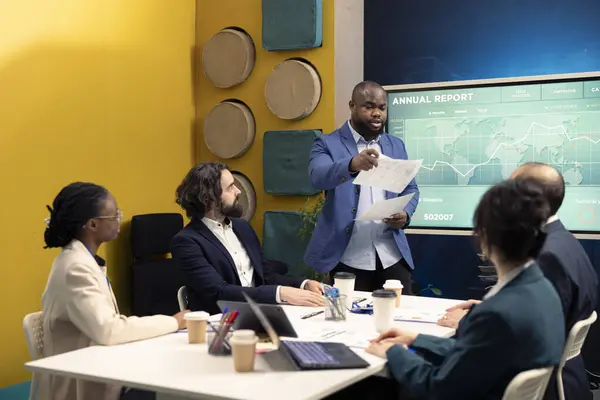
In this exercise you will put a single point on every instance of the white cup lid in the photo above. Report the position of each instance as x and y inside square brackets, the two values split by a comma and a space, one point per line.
[393, 284]
[196, 316]
[244, 334]
[244, 340]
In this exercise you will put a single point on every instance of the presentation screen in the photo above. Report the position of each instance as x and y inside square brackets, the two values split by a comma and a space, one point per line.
[471, 135]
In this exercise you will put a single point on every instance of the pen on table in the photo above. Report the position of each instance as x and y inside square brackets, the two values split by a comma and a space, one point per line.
[312, 314]
[332, 334]
[360, 300]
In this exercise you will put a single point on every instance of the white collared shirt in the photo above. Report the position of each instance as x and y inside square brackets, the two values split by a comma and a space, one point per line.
[370, 238]
[552, 219]
[243, 264]
[510, 276]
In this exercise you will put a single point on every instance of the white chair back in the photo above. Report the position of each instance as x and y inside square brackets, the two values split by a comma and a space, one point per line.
[182, 298]
[34, 335]
[528, 385]
[573, 347]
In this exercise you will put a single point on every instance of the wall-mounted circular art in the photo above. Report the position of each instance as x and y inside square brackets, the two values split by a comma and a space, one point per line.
[293, 90]
[228, 57]
[229, 129]
[247, 197]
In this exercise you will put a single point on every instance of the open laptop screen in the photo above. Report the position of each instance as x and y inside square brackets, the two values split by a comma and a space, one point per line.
[264, 321]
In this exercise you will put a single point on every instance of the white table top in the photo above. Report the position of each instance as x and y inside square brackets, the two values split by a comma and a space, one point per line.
[170, 365]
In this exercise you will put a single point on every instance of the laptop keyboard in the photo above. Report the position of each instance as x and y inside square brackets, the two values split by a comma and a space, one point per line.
[310, 353]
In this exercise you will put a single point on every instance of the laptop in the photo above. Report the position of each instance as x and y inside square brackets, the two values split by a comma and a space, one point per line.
[309, 356]
[247, 319]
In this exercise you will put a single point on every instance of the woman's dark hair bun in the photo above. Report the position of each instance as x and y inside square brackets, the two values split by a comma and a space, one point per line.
[74, 205]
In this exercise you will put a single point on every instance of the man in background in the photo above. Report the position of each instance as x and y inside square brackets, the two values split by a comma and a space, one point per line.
[374, 251]
[566, 264]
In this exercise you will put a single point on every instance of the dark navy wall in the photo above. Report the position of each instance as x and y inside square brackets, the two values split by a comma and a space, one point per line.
[433, 41]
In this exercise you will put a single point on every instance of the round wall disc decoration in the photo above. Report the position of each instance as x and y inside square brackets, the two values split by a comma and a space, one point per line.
[229, 129]
[293, 90]
[247, 198]
[228, 58]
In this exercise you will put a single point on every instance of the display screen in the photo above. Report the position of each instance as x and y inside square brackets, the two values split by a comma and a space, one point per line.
[471, 137]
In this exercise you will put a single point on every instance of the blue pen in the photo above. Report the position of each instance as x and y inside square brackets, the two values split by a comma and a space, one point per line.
[223, 316]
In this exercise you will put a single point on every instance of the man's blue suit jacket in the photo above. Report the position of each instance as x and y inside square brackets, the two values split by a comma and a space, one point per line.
[330, 158]
[519, 328]
[209, 271]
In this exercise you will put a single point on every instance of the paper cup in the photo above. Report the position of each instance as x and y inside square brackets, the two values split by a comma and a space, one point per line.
[396, 286]
[344, 282]
[384, 306]
[196, 326]
[243, 349]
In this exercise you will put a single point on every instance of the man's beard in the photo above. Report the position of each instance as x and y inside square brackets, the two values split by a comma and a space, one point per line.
[365, 129]
[234, 210]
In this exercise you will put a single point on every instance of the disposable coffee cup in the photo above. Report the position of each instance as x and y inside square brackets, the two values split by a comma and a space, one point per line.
[384, 307]
[196, 326]
[243, 349]
[396, 286]
[344, 282]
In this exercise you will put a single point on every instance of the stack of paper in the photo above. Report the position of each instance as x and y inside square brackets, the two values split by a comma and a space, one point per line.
[351, 339]
[386, 208]
[389, 174]
[414, 315]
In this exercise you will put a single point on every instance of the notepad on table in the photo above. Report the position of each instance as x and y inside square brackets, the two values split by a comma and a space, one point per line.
[411, 315]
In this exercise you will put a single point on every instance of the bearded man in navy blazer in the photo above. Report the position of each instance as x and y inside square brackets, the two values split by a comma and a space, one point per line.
[372, 250]
[219, 253]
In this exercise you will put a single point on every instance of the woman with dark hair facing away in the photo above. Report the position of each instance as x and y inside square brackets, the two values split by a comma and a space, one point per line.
[78, 304]
[519, 325]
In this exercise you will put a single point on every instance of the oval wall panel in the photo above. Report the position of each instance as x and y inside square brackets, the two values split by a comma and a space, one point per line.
[248, 195]
[293, 90]
[228, 58]
[229, 129]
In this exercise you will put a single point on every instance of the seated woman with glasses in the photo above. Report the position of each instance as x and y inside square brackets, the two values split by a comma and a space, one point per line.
[519, 325]
[78, 304]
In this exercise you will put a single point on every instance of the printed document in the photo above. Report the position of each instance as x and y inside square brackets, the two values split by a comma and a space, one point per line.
[418, 315]
[386, 208]
[390, 174]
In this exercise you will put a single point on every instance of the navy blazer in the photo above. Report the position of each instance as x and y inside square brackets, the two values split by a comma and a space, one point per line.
[330, 158]
[519, 328]
[567, 266]
[210, 274]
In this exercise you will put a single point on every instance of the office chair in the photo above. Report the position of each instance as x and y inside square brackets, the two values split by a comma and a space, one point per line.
[573, 347]
[34, 336]
[155, 277]
[182, 298]
[528, 385]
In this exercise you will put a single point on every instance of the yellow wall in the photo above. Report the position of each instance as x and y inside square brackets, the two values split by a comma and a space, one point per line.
[212, 16]
[97, 90]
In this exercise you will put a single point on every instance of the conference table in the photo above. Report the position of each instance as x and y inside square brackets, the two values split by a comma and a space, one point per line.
[174, 369]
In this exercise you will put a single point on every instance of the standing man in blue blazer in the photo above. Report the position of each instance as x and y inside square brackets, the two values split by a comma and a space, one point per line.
[372, 250]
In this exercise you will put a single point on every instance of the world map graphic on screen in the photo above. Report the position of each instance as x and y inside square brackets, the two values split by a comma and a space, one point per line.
[470, 139]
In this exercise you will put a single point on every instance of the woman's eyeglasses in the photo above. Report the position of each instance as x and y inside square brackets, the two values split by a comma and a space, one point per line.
[118, 217]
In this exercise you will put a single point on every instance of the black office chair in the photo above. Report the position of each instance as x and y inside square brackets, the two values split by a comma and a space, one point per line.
[155, 278]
